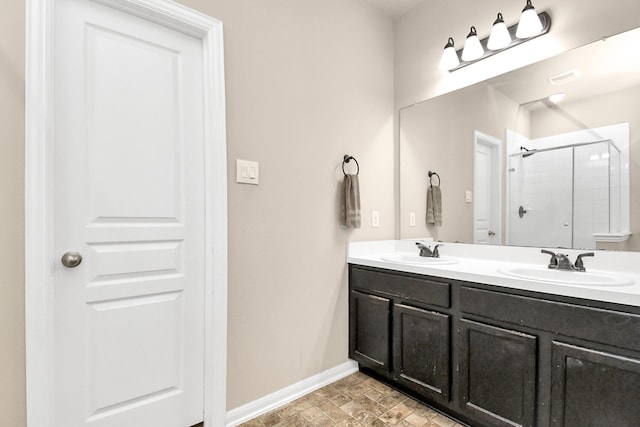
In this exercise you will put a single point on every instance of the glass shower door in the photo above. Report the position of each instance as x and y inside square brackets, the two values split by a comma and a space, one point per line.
[540, 210]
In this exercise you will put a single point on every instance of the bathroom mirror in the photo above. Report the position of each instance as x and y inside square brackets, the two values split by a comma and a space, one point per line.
[519, 168]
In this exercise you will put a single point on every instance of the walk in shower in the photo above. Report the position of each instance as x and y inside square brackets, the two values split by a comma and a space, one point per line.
[563, 194]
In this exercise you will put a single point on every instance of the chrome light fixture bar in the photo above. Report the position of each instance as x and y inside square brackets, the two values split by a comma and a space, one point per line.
[500, 39]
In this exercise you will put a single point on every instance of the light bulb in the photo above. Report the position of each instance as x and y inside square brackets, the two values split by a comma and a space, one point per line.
[499, 37]
[472, 47]
[449, 59]
[556, 98]
[529, 24]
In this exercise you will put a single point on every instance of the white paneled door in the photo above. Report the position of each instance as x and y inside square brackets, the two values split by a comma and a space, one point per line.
[129, 199]
[487, 190]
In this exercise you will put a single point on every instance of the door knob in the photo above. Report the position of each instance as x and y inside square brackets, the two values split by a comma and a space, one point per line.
[492, 233]
[71, 259]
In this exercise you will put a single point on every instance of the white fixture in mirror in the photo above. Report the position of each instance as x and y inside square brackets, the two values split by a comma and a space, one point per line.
[566, 77]
[557, 97]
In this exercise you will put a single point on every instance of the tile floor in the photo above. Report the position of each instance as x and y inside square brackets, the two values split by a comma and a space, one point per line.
[354, 401]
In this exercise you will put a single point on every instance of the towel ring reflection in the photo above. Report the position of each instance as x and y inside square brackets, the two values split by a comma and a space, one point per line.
[347, 158]
[431, 174]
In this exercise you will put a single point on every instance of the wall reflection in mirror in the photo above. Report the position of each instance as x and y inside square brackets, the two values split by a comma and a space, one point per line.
[542, 156]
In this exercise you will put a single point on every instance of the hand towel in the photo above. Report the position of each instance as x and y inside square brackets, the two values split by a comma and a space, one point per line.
[434, 206]
[351, 201]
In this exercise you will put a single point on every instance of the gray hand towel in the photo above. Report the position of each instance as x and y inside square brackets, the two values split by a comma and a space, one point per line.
[351, 201]
[434, 206]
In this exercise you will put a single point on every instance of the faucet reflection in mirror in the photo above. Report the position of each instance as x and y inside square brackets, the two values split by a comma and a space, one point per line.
[530, 26]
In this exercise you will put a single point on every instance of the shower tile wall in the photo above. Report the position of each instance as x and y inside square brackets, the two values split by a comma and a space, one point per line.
[616, 188]
[591, 194]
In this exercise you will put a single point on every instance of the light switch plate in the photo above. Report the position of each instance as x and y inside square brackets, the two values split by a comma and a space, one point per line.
[375, 219]
[468, 198]
[247, 172]
[412, 219]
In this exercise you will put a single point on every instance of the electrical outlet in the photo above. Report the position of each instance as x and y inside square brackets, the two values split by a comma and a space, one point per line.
[375, 219]
[412, 219]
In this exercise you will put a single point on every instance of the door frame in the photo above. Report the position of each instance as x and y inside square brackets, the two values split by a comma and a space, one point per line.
[480, 138]
[40, 186]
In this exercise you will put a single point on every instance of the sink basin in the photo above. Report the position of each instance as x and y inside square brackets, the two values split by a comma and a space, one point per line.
[564, 277]
[418, 260]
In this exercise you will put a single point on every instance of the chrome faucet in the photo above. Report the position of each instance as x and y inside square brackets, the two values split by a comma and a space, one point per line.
[562, 262]
[426, 251]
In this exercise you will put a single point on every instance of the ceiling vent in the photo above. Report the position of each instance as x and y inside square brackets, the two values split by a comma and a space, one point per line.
[565, 77]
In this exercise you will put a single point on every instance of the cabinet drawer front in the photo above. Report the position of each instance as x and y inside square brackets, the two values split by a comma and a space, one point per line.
[406, 287]
[593, 324]
[593, 388]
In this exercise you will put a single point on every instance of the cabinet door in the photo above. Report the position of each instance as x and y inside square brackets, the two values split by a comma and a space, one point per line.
[421, 350]
[593, 388]
[369, 323]
[497, 375]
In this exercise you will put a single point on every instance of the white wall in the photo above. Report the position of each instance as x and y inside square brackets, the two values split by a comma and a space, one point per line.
[307, 82]
[12, 387]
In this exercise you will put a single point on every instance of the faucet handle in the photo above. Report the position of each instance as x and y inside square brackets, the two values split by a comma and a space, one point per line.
[553, 262]
[579, 265]
[436, 254]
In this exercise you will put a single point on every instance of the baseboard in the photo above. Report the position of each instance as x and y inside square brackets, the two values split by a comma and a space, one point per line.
[281, 397]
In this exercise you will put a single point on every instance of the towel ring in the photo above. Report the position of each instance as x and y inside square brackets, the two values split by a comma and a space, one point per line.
[347, 158]
[431, 174]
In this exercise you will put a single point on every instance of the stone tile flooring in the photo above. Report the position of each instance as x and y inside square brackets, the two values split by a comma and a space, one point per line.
[354, 401]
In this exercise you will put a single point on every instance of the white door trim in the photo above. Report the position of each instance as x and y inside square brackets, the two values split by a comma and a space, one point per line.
[39, 187]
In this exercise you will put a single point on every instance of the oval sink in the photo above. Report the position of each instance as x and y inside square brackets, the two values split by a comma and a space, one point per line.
[566, 277]
[418, 260]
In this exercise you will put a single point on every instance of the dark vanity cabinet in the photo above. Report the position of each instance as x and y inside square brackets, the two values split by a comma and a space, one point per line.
[593, 388]
[369, 329]
[497, 374]
[497, 357]
[398, 330]
[421, 350]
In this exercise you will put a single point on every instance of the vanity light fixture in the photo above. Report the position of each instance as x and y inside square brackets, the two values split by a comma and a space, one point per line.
[530, 26]
[449, 58]
[499, 37]
[472, 47]
[530, 23]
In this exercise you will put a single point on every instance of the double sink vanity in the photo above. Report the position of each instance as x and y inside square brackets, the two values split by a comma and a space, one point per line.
[491, 336]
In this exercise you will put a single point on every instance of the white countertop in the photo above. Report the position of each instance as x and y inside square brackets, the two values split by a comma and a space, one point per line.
[480, 264]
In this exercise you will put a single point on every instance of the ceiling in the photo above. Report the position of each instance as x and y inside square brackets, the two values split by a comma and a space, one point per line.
[606, 66]
[395, 8]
